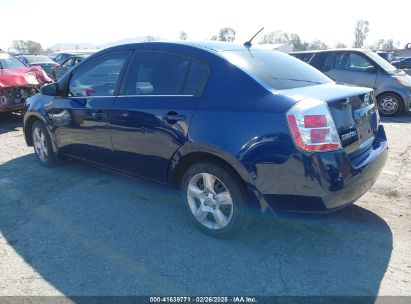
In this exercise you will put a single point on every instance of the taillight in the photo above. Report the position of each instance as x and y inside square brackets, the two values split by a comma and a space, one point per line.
[312, 126]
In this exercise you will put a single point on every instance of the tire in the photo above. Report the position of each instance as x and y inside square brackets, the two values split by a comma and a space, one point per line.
[390, 104]
[42, 144]
[220, 208]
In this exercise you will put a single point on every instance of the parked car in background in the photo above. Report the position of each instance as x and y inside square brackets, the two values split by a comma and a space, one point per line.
[66, 65]
[386, 55]
[366, 68]
[39, 60]
[18, 82]
[238, 128]
[402, 63]
[59, 58]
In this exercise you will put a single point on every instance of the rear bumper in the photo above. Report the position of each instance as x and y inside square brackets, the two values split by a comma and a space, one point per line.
[321, 182]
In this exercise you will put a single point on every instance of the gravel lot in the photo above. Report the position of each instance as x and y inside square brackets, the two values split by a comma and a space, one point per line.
[78, 230]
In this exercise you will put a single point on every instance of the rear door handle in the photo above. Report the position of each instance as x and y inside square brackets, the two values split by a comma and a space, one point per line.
[173, 117]
[99, 116]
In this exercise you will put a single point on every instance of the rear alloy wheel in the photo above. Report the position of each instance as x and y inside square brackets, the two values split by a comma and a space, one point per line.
[390, 104]
[42, 144]
[215, 201]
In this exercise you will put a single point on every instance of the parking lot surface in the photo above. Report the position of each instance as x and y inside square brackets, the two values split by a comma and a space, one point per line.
[77, 230]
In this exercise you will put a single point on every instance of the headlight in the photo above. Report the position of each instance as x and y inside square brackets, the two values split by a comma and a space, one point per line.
[404, 80]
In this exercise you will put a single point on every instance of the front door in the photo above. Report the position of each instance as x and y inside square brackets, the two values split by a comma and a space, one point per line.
[151, 119]
[81, 119]
[352, 68]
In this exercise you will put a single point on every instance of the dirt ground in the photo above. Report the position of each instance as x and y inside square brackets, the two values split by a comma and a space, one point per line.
[77, 230]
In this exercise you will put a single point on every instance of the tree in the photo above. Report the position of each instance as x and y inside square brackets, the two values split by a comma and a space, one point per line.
[226, 34]
[149, 38]
[19, 46]
[317, 45]
[361, 32]
[341, 45]
[27, 47]
[214, 37]
[275, 37]
[388, 45]
[297, 44]
[183, 35]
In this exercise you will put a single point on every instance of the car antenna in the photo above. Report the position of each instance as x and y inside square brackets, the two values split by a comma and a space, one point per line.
[248, 43]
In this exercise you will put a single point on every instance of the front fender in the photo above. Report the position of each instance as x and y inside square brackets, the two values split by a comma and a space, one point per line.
[37, 108]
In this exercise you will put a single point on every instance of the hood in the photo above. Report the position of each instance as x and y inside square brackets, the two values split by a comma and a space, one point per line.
[23, 76]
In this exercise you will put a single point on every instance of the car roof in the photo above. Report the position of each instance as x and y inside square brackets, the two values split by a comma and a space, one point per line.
[210, 46]
[334, 50]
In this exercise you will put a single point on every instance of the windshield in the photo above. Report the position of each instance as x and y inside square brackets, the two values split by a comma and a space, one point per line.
[277, 70]
[384, 64]
[10, 62]
[37, 59]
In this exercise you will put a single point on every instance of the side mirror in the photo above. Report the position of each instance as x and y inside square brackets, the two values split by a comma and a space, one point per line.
[51, 89]
[371, 69]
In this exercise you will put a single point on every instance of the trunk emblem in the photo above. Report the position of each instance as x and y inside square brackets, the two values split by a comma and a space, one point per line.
[348, 135]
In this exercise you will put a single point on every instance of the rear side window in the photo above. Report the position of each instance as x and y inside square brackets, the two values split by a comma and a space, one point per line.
[157, 73]
[277, 70]
[99, 77]
[306, 57]
[197, 79]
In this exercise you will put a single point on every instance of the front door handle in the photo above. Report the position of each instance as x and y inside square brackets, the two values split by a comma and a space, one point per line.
[99, 116]
[172, 117]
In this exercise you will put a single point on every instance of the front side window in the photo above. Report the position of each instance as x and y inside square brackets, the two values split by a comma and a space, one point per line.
[68, 63]
[352, 62]
[99, 77]
[157, 73]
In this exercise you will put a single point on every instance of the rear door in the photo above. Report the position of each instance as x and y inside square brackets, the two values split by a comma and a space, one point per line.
[151, 118]
[81, 119]
[350, 68]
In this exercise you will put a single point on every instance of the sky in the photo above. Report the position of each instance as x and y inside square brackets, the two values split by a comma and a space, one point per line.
[83, 21]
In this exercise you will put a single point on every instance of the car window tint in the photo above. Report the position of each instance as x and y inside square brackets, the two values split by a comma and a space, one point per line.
[352, 62]
[99, 77]
[275, 69]
[157, 73]
[306, 57]
[329, 62]
[197, 79]
[68, 63]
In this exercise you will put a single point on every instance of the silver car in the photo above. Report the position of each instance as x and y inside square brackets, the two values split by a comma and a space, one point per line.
[367, 69]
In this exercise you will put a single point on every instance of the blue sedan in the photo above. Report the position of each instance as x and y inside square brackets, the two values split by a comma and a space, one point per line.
[243, 131]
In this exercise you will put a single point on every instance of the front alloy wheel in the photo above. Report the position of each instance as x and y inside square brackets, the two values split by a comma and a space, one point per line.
[42, 144]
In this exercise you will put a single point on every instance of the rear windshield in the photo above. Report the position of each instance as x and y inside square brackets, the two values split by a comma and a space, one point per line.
[277, 70]
[37, 59]
[10, 62]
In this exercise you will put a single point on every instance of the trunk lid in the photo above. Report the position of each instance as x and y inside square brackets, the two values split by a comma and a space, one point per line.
[353, 110]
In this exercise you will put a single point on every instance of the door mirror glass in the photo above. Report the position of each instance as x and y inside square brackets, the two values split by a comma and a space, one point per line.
[51, 89]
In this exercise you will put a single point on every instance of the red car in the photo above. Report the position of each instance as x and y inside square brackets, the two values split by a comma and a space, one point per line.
[18, 82]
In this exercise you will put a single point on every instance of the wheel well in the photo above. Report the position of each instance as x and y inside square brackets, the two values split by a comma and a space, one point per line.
[390, 92]
[188, 160]
[27, 127]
